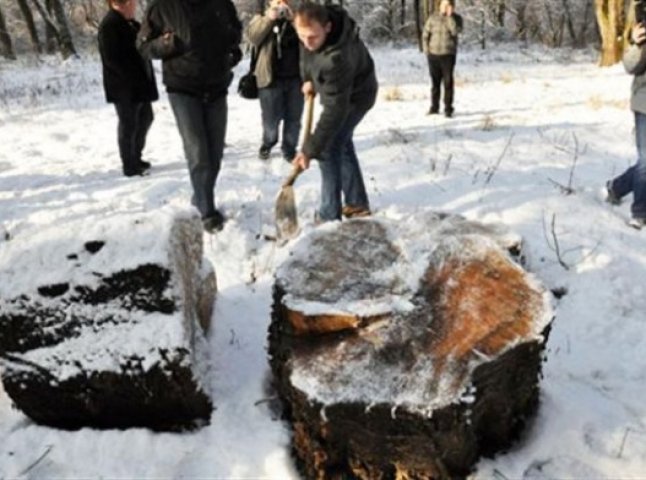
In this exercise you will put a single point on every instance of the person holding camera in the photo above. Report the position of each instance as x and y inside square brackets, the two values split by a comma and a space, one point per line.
[198, 43]
[336, 66]
[634, 178]
[278, 77]
[440, 44]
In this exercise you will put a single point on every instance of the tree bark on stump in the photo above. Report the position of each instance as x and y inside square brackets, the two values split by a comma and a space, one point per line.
[384, 377]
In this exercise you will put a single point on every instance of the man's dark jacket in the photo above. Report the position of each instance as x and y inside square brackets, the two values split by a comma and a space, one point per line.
[200, 47]
[127, 77]
[343, 74]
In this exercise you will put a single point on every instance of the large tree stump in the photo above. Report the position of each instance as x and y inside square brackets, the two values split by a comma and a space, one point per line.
[406, 350]
[102, 322]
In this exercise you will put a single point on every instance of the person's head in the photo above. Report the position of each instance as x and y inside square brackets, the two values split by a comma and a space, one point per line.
[312, 23]
[447, 6]
[127, 8]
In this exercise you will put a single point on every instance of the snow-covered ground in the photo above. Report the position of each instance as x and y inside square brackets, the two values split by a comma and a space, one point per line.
[528, 124]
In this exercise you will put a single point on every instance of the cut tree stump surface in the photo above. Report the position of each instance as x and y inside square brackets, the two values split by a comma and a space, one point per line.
[102, 322]
[406, 348]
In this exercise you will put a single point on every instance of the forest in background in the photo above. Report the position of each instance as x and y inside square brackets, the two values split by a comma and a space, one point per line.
[69, 26]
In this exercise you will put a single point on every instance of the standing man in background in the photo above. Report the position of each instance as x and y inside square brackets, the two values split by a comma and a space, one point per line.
[128, 82]
[278, 76]
[198, 43]
[336, 65]
[440, 44]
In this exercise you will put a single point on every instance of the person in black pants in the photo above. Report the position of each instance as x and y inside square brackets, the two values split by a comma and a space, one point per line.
[440, 44]
[129, 83]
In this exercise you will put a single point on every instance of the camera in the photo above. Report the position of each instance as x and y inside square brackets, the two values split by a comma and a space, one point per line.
[282, 11]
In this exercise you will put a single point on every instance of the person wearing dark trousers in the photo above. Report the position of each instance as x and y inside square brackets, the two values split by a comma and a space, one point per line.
[336, 66]
[278, 76]
[633, 180]
[128, 82]
[440, 44]
[198, 43]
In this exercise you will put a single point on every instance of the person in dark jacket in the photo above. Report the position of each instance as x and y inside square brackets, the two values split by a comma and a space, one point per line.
[440, 44]
[128, 81]
[278, 76]
[198, 43]
[336, 65]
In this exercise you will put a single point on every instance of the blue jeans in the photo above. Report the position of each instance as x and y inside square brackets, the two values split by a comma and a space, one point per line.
[282, 100]
[202, 126]
[634, 179]
[340, 170]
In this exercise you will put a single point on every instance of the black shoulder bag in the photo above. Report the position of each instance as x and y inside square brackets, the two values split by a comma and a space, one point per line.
[248, 85]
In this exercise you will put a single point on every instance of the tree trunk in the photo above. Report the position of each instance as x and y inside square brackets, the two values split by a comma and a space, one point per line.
[611, 20]
[569, 21]
[31, 26]
[498, 10]
[51, 31]
[630, 21]
[581, 40]
[483, 30]
[555, 27]
[57, 35]
[391, 18]
[418, 23]
[6, 46]
[521, 22]
[65, 36]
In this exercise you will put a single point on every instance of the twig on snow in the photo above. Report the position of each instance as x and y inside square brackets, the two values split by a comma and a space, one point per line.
[38, 460]
[625, 438]
[555, 247]
[492, 170]
[265, 400]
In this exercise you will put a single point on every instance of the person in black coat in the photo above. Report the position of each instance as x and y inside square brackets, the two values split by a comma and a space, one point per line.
[128, 81]
[198, 43]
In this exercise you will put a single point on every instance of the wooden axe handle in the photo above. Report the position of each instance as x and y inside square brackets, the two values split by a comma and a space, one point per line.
[309, 118]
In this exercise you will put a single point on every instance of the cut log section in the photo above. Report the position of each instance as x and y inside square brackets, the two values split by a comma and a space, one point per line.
[406, 349]
[103, 324]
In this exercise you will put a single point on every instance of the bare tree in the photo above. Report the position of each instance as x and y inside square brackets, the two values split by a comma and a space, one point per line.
[383, 19]
[31, 25]
[611, 19]
[498, 12]
[60, 32]
[6, 45]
